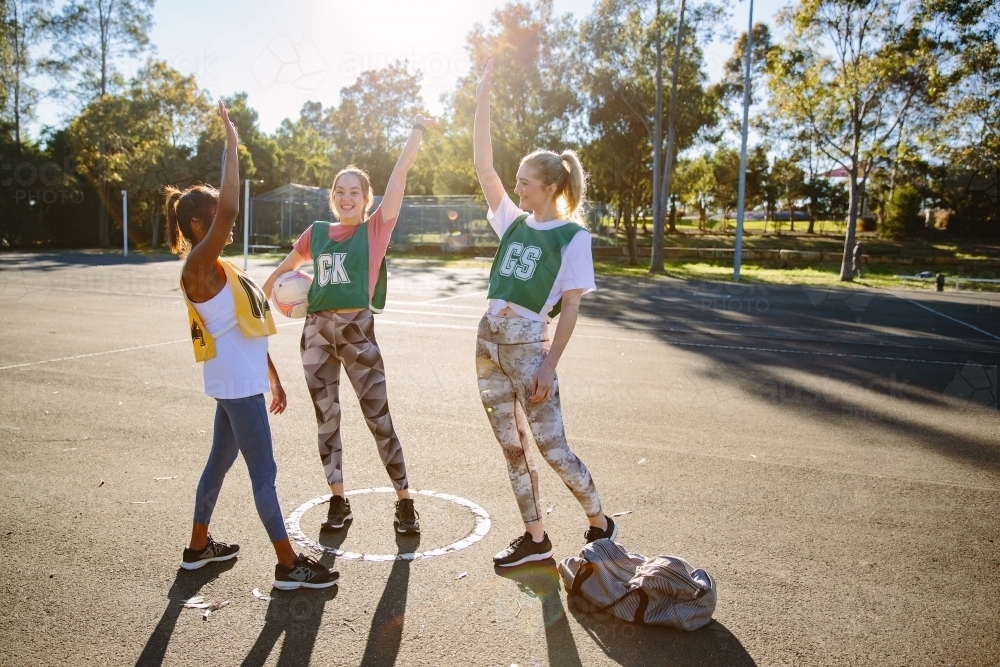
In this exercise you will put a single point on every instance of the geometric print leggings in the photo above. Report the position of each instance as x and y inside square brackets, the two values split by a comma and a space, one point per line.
[331, 340]
[509, 351]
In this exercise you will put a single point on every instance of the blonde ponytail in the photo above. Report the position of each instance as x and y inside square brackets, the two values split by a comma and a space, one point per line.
[566, 173]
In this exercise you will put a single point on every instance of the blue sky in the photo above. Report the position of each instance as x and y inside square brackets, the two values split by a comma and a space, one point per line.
[286, 53]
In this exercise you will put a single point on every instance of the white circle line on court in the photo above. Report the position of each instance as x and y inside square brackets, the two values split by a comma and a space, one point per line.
[296, 535]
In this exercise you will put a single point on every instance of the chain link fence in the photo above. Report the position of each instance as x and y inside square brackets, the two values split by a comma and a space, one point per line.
[446, 222]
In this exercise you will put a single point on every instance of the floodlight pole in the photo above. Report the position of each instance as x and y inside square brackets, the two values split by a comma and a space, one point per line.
[125, 221]
[741, 202]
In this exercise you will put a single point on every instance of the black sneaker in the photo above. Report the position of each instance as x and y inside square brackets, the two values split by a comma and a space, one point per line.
[213, 552]
[524, 550]
[306, 573]
[594, 533]
[339, 512]
[407, 518]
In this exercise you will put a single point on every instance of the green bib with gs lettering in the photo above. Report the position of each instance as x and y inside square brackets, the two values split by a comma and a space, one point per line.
[527, 263]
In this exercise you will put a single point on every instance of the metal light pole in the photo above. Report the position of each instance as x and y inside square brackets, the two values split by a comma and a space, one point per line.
[125, 220]
[741, 202]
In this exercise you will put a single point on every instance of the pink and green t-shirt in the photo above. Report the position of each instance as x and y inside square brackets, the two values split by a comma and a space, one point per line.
[379, 232]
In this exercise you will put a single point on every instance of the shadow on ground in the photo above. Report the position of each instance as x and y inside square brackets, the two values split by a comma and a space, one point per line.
[297, 615]
[625, 643]
[186, 586]
[887, 353]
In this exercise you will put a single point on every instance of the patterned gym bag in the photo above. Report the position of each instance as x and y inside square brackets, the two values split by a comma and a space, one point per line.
[663, 590]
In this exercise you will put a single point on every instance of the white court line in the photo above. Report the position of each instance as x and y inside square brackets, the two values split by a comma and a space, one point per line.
[98, 354]
[615, 445]
[448, 298]
[948, 317]
[92, 354]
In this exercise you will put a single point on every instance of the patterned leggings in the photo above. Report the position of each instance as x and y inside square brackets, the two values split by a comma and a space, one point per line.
[508, 352]
[330, 340]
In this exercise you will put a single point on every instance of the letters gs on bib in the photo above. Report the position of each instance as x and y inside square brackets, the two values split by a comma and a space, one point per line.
[520, 261]
[331, 269]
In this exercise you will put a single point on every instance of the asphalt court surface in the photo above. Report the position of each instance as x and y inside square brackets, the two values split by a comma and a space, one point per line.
[831, 456]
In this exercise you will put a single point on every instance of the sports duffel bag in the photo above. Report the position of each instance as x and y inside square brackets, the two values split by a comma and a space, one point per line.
[663, 590]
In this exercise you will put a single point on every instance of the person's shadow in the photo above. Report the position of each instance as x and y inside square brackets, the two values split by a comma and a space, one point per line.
[541, 580]
[297, 614]
[186, 585]
[386, 633]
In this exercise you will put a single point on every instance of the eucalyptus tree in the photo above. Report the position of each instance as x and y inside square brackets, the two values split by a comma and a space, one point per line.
[850, 72]
[24, 29]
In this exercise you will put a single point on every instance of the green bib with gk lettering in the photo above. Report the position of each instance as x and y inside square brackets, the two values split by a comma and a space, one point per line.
[340, 272]
[527, 263]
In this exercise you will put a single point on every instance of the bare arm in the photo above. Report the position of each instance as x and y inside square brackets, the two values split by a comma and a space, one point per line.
[394, 190]
[292, 262]
[541, 384]
[278, 399]
[203, 257]
[489, 180]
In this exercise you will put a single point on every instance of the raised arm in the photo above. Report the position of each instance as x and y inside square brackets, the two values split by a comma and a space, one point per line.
[394, 190]
[482, 146]
[204, 255]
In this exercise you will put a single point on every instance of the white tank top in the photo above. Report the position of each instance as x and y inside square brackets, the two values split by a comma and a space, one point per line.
[239, 368]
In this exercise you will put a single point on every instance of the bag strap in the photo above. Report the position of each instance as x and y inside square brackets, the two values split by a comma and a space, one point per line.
[585, 571]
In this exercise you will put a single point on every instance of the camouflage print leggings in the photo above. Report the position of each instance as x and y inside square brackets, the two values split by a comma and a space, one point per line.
[330, 340]
[508, 352]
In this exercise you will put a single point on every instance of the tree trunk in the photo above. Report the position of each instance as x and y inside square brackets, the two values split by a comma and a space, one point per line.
[673, 216]
[657, 130]
[656, 258]
[155, 242]
[630, 235]
[846, 272]
[103, 237]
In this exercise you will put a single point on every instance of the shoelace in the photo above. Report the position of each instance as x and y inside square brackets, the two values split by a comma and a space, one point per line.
[518, 541]
[309, 562]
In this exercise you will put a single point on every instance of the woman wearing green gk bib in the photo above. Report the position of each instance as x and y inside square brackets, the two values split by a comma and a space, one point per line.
[349, 281]
[542, 267]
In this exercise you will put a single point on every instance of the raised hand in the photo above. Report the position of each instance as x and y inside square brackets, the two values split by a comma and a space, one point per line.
[232, 139]
[426, 122]
[483, 87]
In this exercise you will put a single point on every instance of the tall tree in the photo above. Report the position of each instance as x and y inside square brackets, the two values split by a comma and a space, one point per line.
[144, 137]
[91, 37]
[534, 96]
[374, 119]
[619, 55]
[24, 27]
[849, 71]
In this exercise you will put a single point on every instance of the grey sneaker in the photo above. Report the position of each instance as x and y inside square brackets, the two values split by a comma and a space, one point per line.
[407, 519]
[306, 573]
[338, 514]
[594, 533]
[213, 552]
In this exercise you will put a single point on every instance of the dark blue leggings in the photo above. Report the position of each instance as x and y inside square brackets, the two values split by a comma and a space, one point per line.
[241, 425]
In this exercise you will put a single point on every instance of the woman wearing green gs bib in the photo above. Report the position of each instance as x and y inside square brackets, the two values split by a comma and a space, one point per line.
[349, 280]
[543, 266]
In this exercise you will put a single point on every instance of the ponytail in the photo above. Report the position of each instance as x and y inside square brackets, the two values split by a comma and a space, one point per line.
[575, 191]
[180, 208]
[175, 238]
[566, 173]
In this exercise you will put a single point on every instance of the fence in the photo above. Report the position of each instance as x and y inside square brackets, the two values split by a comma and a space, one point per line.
[451, 222]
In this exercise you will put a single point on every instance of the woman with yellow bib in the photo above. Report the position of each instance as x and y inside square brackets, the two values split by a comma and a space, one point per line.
[230, 321]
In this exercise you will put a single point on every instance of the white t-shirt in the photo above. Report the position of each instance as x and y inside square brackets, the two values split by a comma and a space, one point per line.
[239, 368]
[576, 271]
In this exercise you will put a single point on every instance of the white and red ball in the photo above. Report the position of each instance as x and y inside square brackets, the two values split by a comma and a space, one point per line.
[290, 294]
